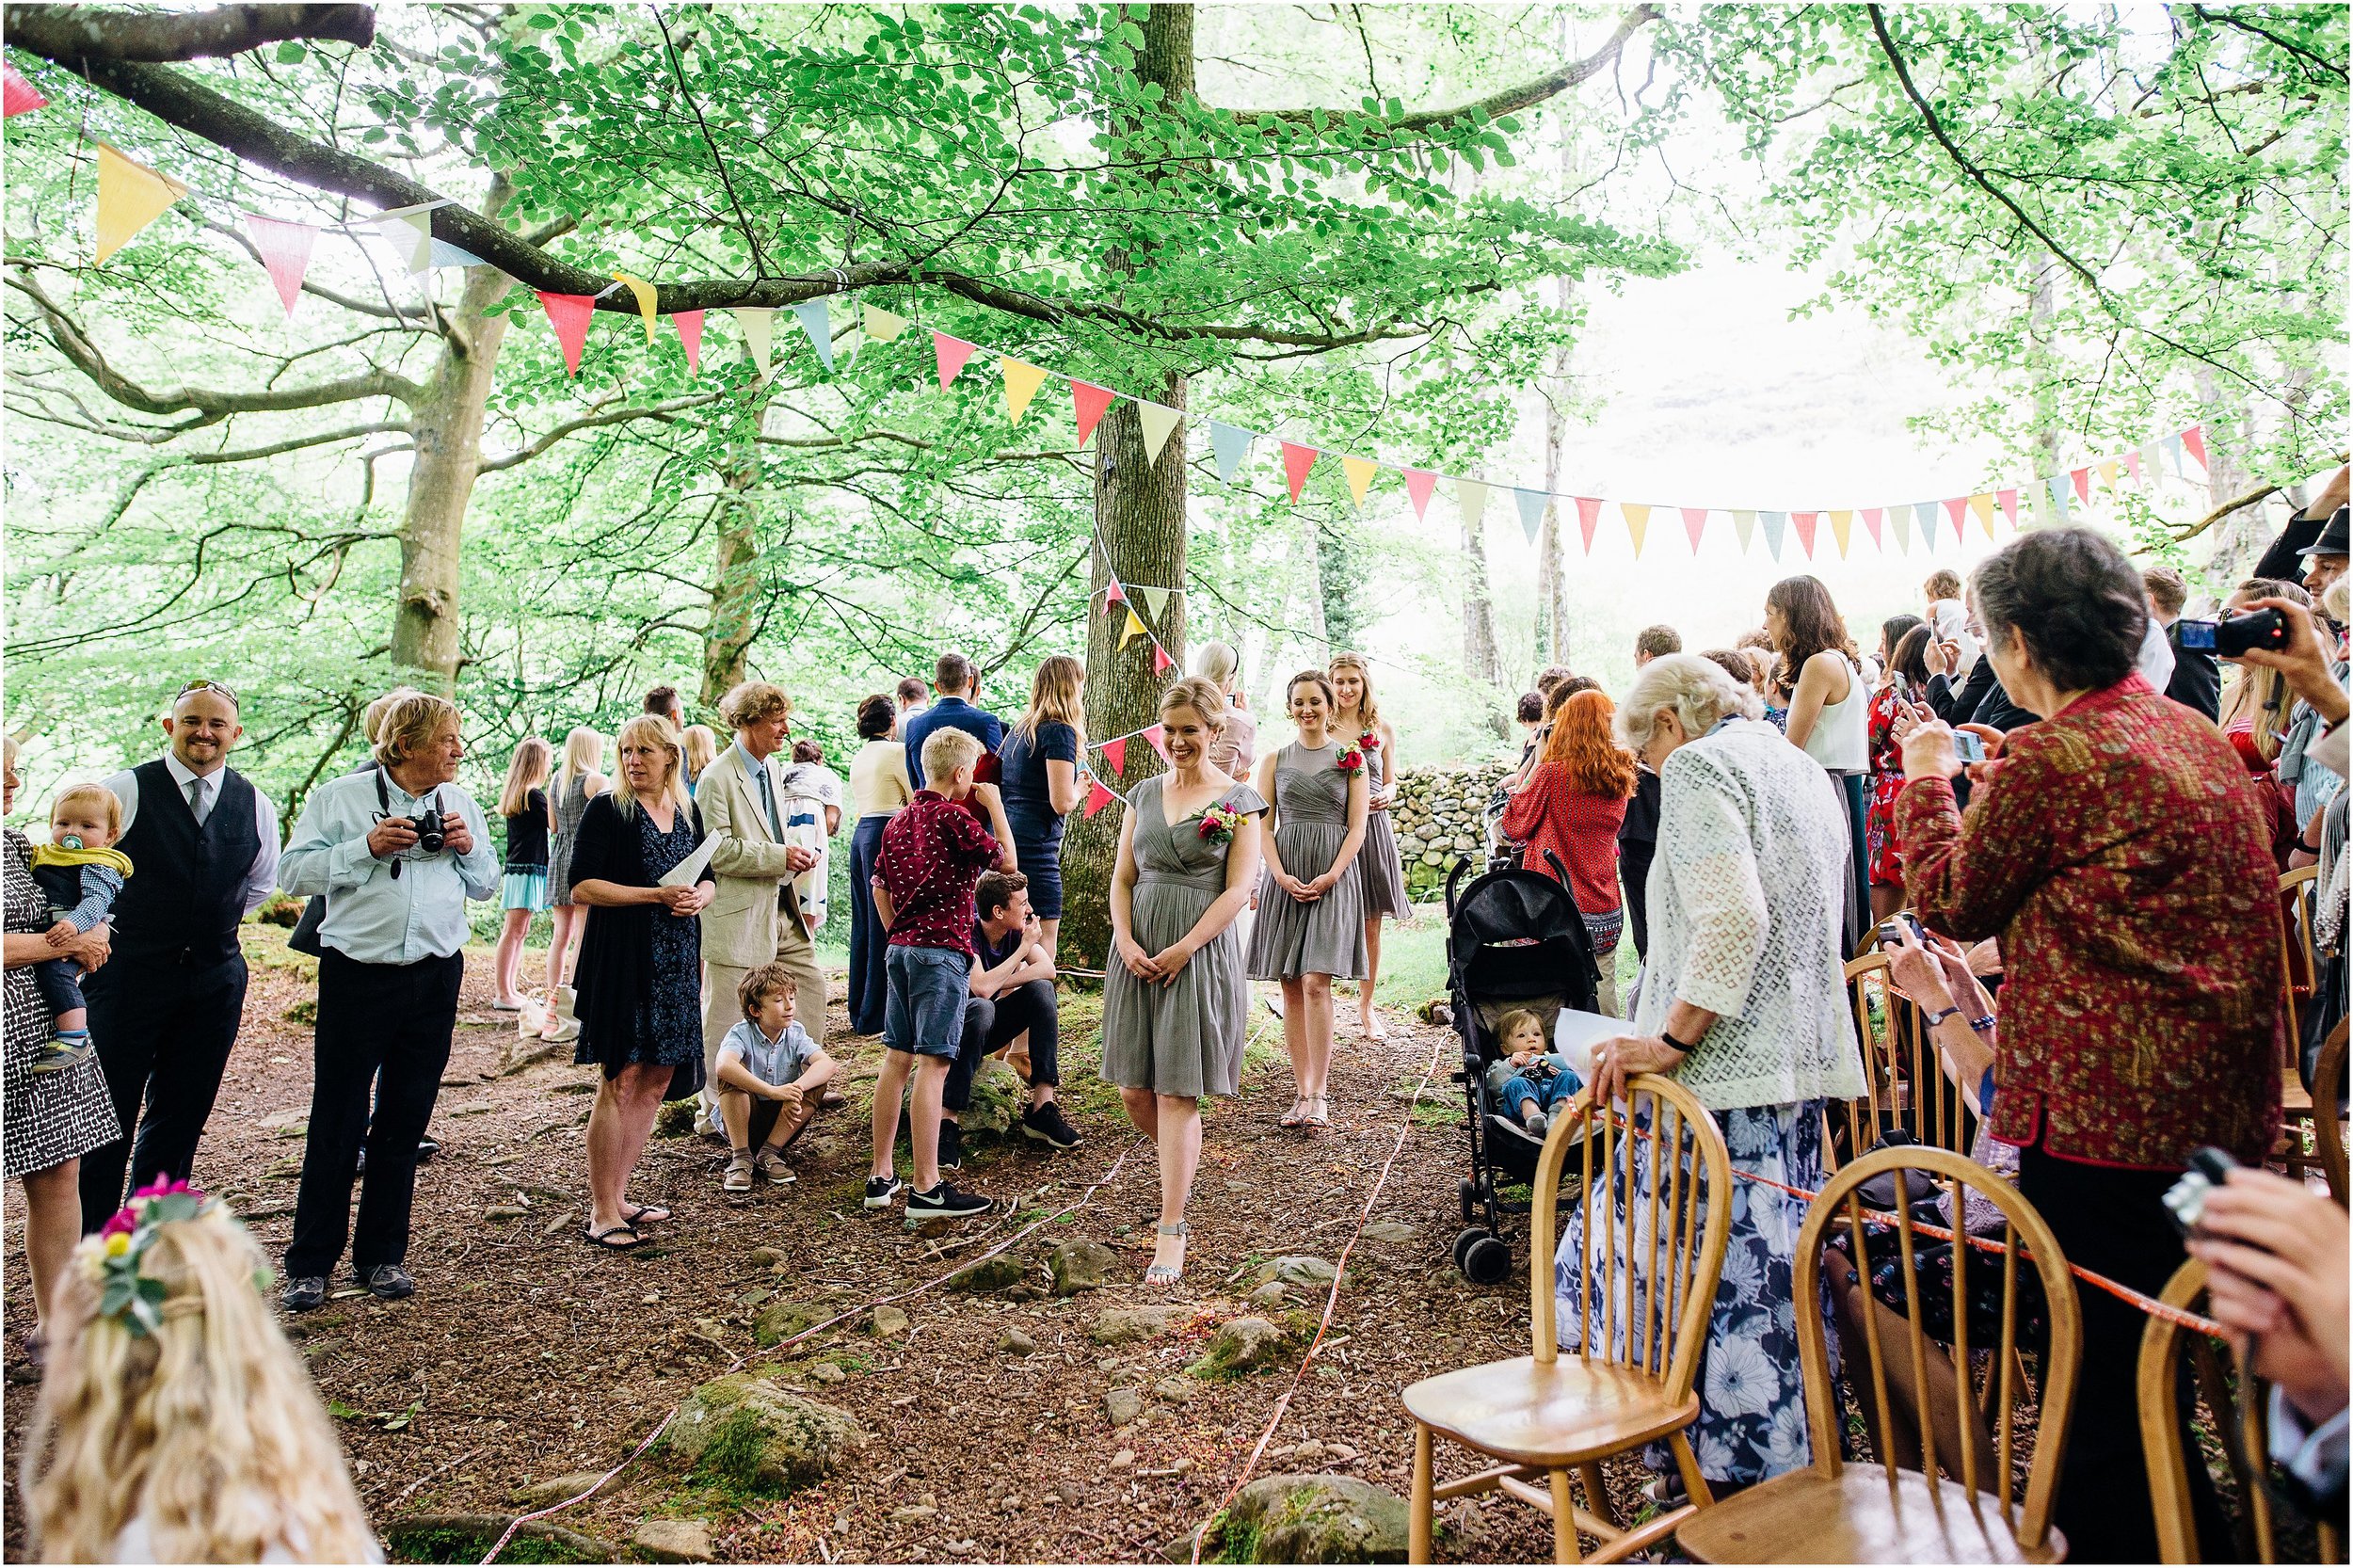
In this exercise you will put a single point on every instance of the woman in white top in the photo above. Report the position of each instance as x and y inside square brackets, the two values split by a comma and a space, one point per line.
[879, 786]
[1743, 1001]
[1828, 713]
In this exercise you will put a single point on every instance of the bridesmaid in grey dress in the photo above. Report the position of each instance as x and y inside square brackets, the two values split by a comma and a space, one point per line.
[1378, 864]
[1311, 906]
[1175, 1002]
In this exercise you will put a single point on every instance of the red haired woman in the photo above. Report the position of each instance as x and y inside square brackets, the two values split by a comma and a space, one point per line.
[1572, 804]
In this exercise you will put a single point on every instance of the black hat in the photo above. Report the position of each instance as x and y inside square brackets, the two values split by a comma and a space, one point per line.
[2332, 541]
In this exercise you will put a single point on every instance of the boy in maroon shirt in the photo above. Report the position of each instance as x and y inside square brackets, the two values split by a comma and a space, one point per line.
[932, 856]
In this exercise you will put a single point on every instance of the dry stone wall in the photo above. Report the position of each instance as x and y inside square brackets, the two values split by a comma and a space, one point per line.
[1438, 821]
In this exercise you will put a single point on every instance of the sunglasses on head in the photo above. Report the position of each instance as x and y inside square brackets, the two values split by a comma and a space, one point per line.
[206, 686]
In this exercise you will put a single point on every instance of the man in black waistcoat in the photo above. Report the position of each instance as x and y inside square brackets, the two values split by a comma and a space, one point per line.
[163, 1013]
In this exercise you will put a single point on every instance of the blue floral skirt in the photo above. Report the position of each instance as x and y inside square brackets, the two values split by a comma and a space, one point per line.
[1751, 1422]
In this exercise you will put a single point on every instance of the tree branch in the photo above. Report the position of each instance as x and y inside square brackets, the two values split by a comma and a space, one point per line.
[114, 33]
[2237, 502]
[592, 421]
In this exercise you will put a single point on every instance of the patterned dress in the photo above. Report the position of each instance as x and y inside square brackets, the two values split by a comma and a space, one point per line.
[640, 965]
[57, 1116]
[1887, 782]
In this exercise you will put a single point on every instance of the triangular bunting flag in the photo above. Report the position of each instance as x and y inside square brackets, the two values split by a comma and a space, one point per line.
[1873, 517]
[1116, 753]
[131, 195]
[1113, 594]
[1774, 523]
[817, 321]
[1805, 521]
[446, 254]
[409, 232]
[17, 95]
[1419, 486]
[1924, 512]
[690, 337]
[643, 291]
[1134, 629]
[2082, 478]
[1297, 461]
[882, 326]
[2008, 500]
[1359, 472]
[1231, 445]
[1156, 603]
[951, 353]
[2171, 447]
[1471, 496]
[568, 314]
[1982, 503]
[1533, 504]
[1157, 421]
[1587, 519]
[1841, 526]
[1161, 661]
[1097, 796]
[1955, 509]
[1695, 525]
[1637, 523]
[1902, 517]
[758, 325]
[285, 250]
[2108, 469]
[2057, 487]
[2194, 442]
[1022, 380]
[2132, 464]
[1157, 735]
[1088, 403]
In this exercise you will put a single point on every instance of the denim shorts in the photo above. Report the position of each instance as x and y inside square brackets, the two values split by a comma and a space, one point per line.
[923, 1009]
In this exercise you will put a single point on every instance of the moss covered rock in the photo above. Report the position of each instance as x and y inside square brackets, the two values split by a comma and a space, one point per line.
[1313, 1519]
[748, 1433]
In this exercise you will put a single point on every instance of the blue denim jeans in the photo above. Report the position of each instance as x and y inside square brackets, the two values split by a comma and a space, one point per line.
[925, 1013]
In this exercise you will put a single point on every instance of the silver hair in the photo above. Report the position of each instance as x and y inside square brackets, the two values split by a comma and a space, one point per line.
[1697, 691]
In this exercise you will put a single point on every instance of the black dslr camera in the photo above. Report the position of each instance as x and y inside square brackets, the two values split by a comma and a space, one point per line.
[427, 823]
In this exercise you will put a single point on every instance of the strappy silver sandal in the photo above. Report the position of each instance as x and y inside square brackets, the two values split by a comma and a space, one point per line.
[1160, 1275]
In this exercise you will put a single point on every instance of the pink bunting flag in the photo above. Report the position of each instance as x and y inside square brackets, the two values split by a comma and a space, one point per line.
[1805, 521]
[951, 352]
[1090, 402]
[1588, 518]
[2082, 478]
[1157, 735]
[1694, 523]
[1421, 485]
[286, 250]
[1297, 460]
[1097, 796]
[568, 314]
[1116, 753]
[2132, 461]
[1872, 518]
[1161, 661]
[1114, 595]
[2009, 506]
[2194, 442]
[690, 337]
[1955, 510]
[17, 95]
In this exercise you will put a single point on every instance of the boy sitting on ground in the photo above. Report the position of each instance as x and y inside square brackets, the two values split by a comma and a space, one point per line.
[769, 1076]
[1011, 1005]
[1540, 1081]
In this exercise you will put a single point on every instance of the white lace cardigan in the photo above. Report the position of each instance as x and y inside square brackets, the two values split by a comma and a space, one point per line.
[1747, 901]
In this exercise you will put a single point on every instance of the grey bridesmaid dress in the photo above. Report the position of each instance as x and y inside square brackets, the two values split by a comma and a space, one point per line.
[1323, 935]
[1377, 865]
[1184, 1037]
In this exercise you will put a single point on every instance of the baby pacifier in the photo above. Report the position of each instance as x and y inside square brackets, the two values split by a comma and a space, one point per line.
[71, 841]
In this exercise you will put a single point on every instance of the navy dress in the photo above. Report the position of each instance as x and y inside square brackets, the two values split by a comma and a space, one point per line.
[1030, 808]
[640, 977]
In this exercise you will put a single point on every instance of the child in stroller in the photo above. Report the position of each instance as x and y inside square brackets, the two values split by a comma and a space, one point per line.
[1534, 1082]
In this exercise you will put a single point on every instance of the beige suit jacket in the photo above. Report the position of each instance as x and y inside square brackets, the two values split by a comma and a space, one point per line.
[748, 912]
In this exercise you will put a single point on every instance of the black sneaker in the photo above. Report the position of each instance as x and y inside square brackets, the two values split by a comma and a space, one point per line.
[304, 1295]
[944, 1201]
[950, 1145]
[426, 1149]
[881, 1189]
[388, 1282]
[1045, 1122]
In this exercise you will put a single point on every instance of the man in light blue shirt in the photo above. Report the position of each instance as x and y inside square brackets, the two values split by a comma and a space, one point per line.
[388, 973]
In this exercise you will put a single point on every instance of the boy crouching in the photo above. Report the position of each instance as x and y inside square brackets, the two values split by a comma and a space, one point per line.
[770, 1077]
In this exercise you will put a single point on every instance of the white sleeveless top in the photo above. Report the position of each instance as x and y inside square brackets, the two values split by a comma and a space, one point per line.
[1840, 740]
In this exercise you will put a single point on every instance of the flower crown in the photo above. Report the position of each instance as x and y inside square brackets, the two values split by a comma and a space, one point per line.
[110, 1259]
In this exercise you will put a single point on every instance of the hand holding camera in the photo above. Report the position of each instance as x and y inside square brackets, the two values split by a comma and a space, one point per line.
[388, 839]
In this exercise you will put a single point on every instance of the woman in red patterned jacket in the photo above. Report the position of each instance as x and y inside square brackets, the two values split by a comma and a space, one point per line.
[1572, 806]
[2116, 852]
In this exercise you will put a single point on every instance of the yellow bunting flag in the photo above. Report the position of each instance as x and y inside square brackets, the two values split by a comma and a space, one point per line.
[131, 195]
[1637, 523]
[1744, 524]
[882, 326]
[644, 291]
[2108, 471]
[1983, 506]
[1841, 524]
[1360, 472]
[1471, 495]
[1157, 420]
[1022, 381]
[758, 323]
[1135, 628]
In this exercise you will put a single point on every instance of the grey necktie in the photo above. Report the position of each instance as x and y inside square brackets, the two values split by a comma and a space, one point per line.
[768, 800]
[199, 804]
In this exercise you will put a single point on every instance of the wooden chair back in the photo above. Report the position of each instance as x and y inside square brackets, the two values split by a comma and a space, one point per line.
[2237, 1404]
[2296, 891]
[2328, 1127]
[1904, 1081]
[2026, 1242]
[1651, 1264]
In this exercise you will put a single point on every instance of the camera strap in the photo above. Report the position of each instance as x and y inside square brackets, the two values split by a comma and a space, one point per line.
[384, 803]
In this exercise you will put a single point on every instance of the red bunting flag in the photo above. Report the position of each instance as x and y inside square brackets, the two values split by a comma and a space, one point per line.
[2082, 478]
[1089, 401]
[1805, 521]
[1116, 753]
[1872, 518]
[1161, 661]
[1097, 796]
[2194, 442]
[1588, 517]
[1114, 594]
[2009, 504]
[1955, 510]
[285, 252]
[1155, 735]
[951, 353]
[1695, 522]
[1297, 460]
[690, 337]
[1421, 485]
[17, 95]
[568, 314]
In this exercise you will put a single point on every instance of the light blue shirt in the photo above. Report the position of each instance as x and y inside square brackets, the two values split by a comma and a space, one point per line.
[371, 916]
[774, 1063]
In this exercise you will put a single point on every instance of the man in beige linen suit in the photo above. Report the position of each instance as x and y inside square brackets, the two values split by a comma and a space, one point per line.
[753, 919]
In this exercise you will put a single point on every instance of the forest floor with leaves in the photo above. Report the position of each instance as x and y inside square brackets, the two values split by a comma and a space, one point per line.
[527, 1356]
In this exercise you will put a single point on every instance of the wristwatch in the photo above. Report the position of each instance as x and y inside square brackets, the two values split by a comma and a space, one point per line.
[1940, 1015]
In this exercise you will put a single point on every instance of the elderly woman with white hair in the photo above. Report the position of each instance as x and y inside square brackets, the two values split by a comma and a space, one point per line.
[1743, 1001]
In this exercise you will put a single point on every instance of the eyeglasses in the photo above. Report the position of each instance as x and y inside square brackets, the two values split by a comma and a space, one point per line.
[207, 686]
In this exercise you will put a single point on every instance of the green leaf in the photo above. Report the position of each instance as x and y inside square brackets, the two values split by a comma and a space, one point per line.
[291, 52]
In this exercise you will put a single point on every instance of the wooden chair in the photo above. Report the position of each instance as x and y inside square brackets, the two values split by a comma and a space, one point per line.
[2328, 1127]
[2298, 889]
[1834, 1512]
[1629, 1382]
[1904, 1082]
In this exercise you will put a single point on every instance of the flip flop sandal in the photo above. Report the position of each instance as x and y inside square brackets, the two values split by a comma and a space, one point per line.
[645, 1214]
[604, 1238]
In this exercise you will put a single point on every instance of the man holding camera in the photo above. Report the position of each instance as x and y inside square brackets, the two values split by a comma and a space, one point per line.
[400, 850]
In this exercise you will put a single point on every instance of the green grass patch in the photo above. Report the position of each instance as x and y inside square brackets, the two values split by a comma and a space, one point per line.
[1413, 963]
[409, 1544]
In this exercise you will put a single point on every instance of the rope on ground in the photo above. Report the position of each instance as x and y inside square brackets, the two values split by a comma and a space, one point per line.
[1086, 1198]
[1330, 1305]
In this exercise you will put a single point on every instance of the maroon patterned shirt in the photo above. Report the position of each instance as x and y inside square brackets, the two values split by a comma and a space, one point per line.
[2116, 852]
[933, 855]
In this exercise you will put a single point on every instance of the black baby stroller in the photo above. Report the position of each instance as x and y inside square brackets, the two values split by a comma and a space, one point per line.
[1514, 939]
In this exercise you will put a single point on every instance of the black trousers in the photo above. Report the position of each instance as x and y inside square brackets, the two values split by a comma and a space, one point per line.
[163, 1032]
[389, 1019]
[2112, 1223]
[989, 1023]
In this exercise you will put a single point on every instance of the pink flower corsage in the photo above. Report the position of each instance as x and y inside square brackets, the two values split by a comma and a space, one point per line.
[1351, 761]
[1218, 825]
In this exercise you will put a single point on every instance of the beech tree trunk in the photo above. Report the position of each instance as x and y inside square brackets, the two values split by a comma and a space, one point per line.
[734, 591]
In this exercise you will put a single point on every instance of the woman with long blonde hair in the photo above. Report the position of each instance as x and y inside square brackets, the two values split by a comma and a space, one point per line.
[577, 783]
[1044, 778]
[2257, 702]
[1568, 814]
[702, 749]
[1358, 722]
[181, 1428]
[525, 890]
